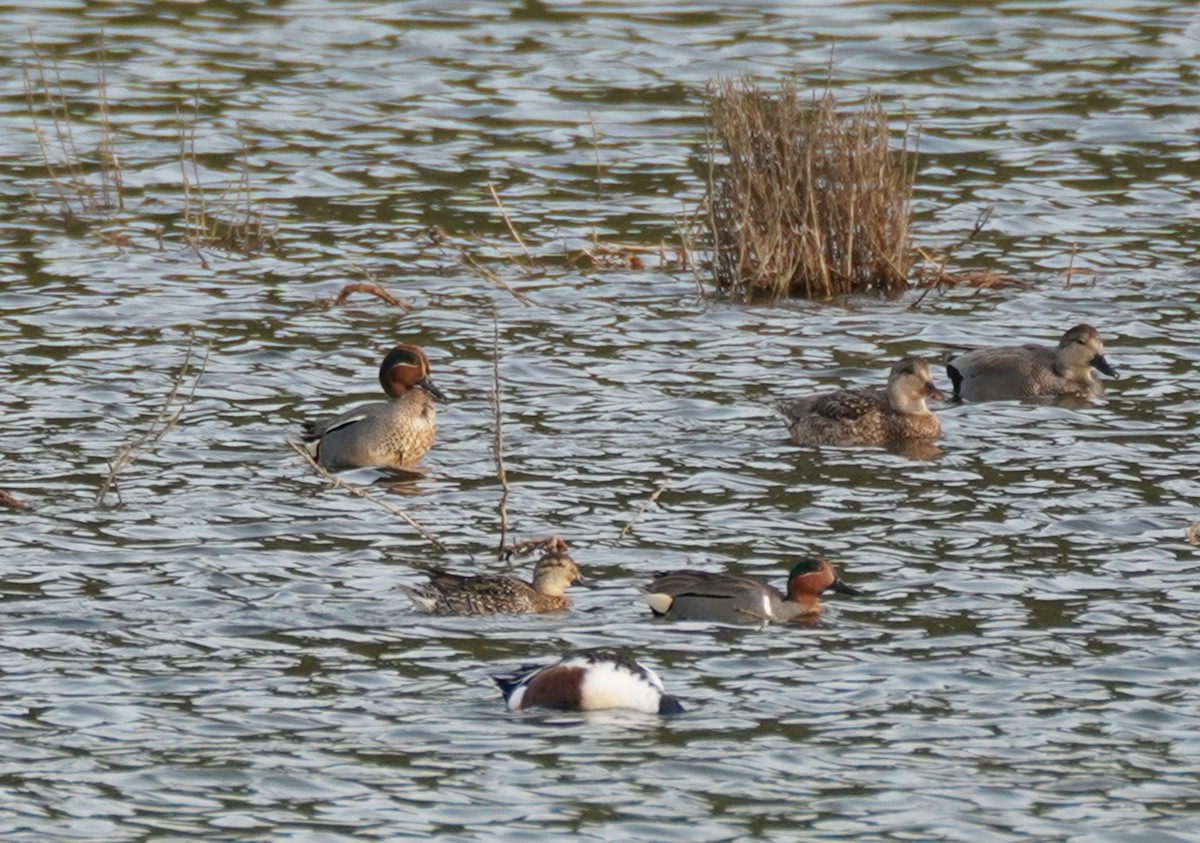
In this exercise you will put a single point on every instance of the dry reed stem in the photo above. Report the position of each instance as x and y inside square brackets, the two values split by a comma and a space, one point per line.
[373, 289]
[110, 163]
[940, 276]
[549, 545]
[359, 491]
[491, 276]
[161, 424]
[596, 151]
[646, 504]
[248, 234]
[512, 229]
[806, 200]
[498, 440]
[70, 167]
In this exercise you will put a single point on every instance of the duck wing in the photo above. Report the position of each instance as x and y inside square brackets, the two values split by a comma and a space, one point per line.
[699, 595]
[843, 405]
[314, 431]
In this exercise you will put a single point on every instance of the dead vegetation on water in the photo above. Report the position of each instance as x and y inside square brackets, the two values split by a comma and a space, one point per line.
[87, 182]
[167, 417]
[804, 197]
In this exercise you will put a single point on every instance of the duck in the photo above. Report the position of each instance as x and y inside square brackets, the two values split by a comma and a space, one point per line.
[391, 434]
[728, 598]
[1031, 370]
[457, 594]
[869, 416]
[587, 681]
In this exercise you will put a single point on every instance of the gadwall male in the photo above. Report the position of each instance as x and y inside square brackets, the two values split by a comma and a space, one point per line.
[869, 416]
[727, 598]
[455, 594]
[1029, 371]
[392, 434]
[588, 681]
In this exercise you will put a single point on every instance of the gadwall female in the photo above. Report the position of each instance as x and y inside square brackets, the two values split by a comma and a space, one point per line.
[1029, 371]
[869, 416]
[698, 595]
[392, 434]
[455, 594]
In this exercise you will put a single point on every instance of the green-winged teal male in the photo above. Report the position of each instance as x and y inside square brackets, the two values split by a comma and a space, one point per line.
[1030, 371]
[727, 598]
[869, 416]
[385, 434]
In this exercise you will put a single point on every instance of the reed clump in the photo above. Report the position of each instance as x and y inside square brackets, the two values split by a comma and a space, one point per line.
[804, 198]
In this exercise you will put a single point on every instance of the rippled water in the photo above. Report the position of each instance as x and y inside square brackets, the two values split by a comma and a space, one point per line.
[223, 651]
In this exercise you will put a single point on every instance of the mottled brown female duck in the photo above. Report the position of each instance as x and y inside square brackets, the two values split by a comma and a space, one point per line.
[1031, 371]
[869, 416]
[455, 594]
[392, 434]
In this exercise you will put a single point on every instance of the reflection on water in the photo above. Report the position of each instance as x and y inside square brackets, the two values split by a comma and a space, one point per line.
[227, 652]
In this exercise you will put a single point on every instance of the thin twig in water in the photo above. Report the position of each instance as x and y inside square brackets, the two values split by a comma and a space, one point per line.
[596, 150]
[662, 487]
[110, 163]
[511, 228]
[359, 491]
[372, 288]
[980, 221]
[162, 423]
[491, 277]
[498, 441]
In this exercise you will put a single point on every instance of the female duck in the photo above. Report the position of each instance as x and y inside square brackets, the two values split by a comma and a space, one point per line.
[454, 594]
[587, 682]
[392, 434]
[869, 416]
[726, 598]
[1029, 371]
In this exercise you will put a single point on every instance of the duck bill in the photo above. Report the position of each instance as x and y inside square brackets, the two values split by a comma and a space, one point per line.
[1100, 363]
[427, 385]
[586, 583]
[931, 391]
[841, 588]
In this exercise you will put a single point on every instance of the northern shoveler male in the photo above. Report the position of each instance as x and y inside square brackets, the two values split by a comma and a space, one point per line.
[869, 416]
[384, 434]
[587, 682]
[455, 594]
[1030, 371]
[727, 598]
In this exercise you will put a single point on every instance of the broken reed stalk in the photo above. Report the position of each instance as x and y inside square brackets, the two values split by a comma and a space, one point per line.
[66, 165]
[245, 231]
[160, 426]
[596, 150]
[805, 199]
[981, 220]
[372, 288]
[646, 504]
[512, 229]
[191, 216]
[359, 491]
[498, 440]
[491, 276]
[110, 163]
